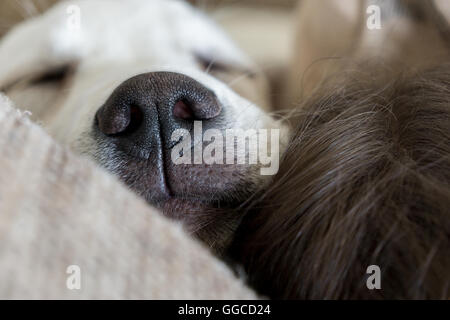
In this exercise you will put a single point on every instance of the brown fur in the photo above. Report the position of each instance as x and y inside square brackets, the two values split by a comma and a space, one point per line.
[366, 180]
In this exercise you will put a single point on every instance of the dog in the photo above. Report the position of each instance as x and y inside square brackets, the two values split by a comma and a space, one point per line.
[364, 186]
[361, 148]
[158, 66]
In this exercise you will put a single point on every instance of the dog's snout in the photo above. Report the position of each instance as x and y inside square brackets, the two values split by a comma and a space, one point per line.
[160, 95]
[143, 113]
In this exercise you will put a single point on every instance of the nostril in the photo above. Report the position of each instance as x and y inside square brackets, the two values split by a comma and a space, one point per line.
[182, 110]
[204, 108]
[136, 117]
[113, 119]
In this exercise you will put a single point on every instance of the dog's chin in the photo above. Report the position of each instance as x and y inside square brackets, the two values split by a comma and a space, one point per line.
[177, 207]
[186, 209]
[211, 221]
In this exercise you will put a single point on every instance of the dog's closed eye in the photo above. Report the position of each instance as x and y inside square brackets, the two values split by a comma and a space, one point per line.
[52, 76]
[40, 91]
[209, 64]
[217, 67]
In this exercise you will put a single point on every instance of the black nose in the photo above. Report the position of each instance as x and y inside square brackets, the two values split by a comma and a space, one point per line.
[167, 96]
[143, 112]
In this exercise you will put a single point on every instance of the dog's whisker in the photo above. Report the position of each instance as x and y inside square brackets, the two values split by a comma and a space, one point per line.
[238, 79]
[211, 63]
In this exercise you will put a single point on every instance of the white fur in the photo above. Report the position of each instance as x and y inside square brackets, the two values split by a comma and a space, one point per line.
[117, 40]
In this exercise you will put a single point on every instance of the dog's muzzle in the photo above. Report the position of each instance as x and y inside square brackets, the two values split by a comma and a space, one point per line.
[141, 115]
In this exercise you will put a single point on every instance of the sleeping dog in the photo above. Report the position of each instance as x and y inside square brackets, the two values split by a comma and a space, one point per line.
[126, 83]
[364, 178]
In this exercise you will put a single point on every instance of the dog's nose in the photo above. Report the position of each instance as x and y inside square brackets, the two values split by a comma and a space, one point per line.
[138, 121]
[140, 117]
[156, 101]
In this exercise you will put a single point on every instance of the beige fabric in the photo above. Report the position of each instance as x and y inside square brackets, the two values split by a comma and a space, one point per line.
[57, 209]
